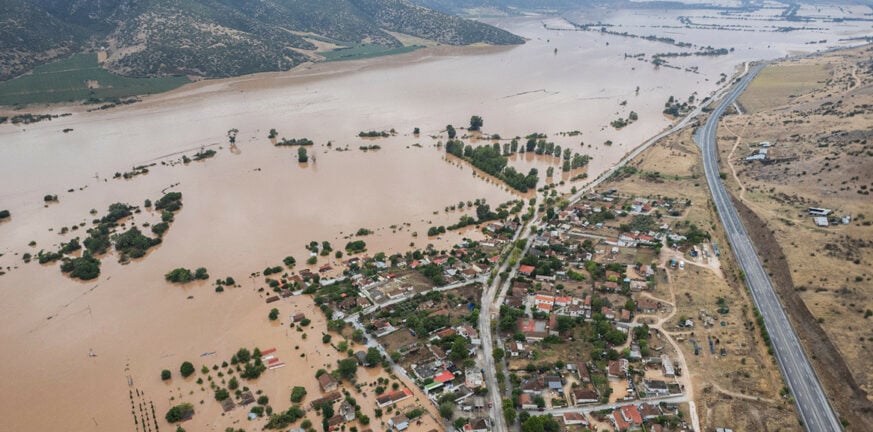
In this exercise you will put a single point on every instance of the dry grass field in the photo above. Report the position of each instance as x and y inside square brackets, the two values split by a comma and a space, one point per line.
[821, 156]
[778, 85]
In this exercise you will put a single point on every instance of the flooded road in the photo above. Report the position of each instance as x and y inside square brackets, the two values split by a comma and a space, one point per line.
[247, 209]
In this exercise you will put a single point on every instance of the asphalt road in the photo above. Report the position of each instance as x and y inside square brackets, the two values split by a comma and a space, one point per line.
[812, 404]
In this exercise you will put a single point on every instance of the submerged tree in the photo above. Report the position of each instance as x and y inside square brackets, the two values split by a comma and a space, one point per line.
[476, 123]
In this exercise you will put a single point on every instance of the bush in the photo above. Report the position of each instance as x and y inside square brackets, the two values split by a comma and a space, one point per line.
[171, 201]
[221, 394]
[297, 394]
[201, 274]
[160, 228]
[85, 267]
[356, 246]
[187, 369]
[179, 412]
[166, 374]
[179, 275]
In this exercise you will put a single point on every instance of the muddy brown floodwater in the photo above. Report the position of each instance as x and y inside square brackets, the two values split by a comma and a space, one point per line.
[247, 209]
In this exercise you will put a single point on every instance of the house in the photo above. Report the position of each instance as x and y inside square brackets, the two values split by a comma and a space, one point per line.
[296, 318]
[533, 329]
[462, 392]
[572, 418]
[515, 348]
[477, 425]
[655, 387]
[526, 401]
[347, 411]
[562, 301]
[335, 421]
[638, 285]
[468, 332]
[625, 316]
[393, 397]
[667, 366]
[554, 383]
[444, 377]
[553, 325]
[544, 299]
[399, 422]
[361, 356]
[526, 270]
[328, 398]
[583, 396]
[647, 306]
[617, 369]
[473, 378]
[627, 418]
[649, 411]
[327, 382]
[584, 374]
[533, 385]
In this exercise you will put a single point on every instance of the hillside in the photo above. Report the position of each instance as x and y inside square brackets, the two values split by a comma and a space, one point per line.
[215, 38]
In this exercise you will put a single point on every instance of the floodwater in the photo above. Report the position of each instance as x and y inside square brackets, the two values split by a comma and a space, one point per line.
[248, 208]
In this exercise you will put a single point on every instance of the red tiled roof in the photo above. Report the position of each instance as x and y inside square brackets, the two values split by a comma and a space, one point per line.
[526, 269]
[445, 376]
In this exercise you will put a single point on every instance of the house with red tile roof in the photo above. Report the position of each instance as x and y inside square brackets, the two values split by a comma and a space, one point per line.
[526, 270]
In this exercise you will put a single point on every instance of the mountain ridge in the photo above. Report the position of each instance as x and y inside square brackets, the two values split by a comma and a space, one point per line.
[215, 38]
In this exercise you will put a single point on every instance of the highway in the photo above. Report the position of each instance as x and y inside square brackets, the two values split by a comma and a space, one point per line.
[812, 404]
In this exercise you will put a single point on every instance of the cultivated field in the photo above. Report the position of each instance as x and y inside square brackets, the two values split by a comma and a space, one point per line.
[78, 77]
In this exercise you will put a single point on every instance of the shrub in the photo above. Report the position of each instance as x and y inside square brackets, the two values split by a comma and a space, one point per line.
[187, 369]
[297, 394]
[179, 412]
[179, 275]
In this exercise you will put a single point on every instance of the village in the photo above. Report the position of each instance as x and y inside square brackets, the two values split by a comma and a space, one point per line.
[582, 331]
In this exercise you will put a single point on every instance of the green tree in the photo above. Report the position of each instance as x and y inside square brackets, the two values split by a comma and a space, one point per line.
[447, 410]
[302, 157]
[297, 394]
[373, 356]
[274, 314]
[498, 354]
[221, 394]
[325, 338]
[476, 123]
[179, 412]
[187, 369]
[347, 368]
[451, 131]
[166, 374]
[179, 275]
[459, 349]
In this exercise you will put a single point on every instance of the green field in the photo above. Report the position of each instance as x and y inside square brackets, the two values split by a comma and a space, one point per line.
[67, 81]
[358, 52]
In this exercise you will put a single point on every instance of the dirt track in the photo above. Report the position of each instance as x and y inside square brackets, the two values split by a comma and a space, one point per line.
[847, 397]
